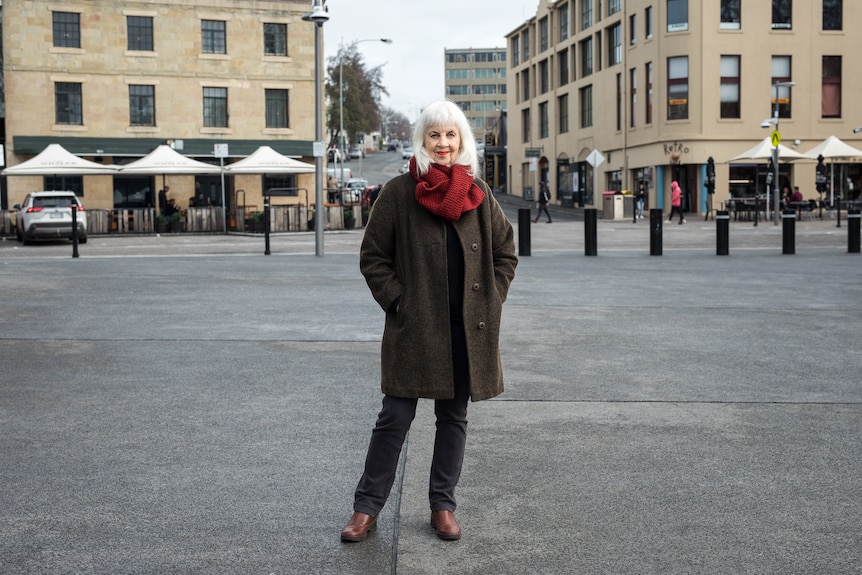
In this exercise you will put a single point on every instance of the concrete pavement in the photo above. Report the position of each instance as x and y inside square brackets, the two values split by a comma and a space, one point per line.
[185, 404]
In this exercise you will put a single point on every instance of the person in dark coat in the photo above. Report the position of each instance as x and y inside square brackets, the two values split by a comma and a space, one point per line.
[438, 256]
[542, 205]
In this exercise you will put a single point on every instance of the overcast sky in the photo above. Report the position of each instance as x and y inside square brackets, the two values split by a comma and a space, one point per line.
[420, 32]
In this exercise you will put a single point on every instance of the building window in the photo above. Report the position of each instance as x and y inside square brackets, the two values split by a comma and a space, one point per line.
[648, 111]
[275, 39]
[516, 59]
[142, 105]
[563, 113]
[525, 84]
[543, 76]
[729, 90]
[563, 62]
[525, 44]
[586, 97]
[619, 108]
[781, 72]
[633, 97]
[677, 15]
[277, 109]
[615, 45]
[730, 14]
[525, 125]
[67, 29]
[648, 22]
[832, 15]
[457, 90]
[68, 103]
[543, 120]
[140, 31]
[586, 57]
[677, 88]
[831, 104]
[586, 14]
[633, 27]
[782, 10]
[213, 37]
[614, 6]
[564, 22]
[215, 107]
[543, 34]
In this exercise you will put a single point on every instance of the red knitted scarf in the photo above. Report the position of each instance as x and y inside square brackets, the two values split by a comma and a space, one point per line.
[447, 191]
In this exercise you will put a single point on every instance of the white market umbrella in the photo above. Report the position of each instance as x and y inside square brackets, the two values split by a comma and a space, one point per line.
[832, 148]
[763, 151]
[55, 160]
[265, 160]
[165, 160]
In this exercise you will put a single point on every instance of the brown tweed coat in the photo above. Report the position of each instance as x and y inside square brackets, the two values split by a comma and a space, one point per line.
[404, 254]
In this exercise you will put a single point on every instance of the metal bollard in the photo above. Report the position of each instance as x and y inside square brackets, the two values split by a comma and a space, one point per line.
[789, 232]
[853, 220]
[266, 251]
[722, 233]
[523, 231]
[655, 219]
[74, 231]
[590, 242]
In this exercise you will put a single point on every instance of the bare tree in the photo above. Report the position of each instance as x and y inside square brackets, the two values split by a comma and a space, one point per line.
[395, 124]
[361, 89]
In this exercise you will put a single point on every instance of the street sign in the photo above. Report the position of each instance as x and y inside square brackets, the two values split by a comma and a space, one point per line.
[595, 159]
[776, 138]
[220, 150]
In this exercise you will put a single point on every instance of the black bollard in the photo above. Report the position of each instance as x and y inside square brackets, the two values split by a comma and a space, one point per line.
[853, 220]
[590, 242]
[789, 229]
[655, 218]
[266, 251]
[74, 230]
[722, 233]
[523, 231]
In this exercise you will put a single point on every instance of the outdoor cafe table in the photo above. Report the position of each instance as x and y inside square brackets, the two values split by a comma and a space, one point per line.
[742, 208]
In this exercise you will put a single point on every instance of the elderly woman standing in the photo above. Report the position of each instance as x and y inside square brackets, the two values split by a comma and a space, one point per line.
[438, 256]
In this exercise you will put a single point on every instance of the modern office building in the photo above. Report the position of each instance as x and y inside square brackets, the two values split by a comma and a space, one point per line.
[607, 95]
[476, 81]
[110, 80]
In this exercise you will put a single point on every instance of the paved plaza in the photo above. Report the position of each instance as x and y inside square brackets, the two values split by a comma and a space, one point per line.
[187, 404]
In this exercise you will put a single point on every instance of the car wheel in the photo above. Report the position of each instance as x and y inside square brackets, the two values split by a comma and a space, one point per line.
[82, 239]
[18, 235]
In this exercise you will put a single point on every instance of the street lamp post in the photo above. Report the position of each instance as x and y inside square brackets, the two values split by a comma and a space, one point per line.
[341, 85]
[318, 16]
[766, 123]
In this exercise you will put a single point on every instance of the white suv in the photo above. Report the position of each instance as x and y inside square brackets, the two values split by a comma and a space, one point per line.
[47, 215]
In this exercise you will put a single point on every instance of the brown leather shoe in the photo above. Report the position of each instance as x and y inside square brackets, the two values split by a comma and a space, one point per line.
[358, 527]
[446, 526]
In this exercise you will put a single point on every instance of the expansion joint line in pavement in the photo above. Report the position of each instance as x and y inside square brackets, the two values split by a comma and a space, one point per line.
[679, 401]
[396, 523]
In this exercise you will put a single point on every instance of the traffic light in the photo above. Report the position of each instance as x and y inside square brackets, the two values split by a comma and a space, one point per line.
[820, 175]
[710, 176]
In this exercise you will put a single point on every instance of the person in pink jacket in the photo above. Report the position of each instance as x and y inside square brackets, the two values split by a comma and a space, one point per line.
[675, 202]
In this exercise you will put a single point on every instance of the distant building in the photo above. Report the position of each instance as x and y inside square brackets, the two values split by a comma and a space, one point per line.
[476, 82]
[656, 87]
[110, 80]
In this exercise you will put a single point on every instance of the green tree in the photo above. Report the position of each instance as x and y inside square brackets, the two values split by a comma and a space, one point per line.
[362, 90]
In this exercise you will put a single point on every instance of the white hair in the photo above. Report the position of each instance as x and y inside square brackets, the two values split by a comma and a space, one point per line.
[440, 114]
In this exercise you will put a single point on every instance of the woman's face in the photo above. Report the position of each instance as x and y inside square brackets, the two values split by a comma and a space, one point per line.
[442, 143]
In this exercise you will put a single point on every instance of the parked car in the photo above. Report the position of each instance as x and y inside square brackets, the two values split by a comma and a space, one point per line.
[392, 146]
[334, 155]
[404, 168]
[406, 153]
[357, 153]
[354, 190]
[48, 215]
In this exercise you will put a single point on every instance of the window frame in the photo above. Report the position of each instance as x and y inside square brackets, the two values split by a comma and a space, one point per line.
[677, 15]
[215, 107]
[66, 29]
[213, 36]
[145, 104]
[782, 14]
[276, 106]
[70, 96]
[563, 113]
[139, 32]
[275, 43]
[831, 84]
[585, 99]
[833, 15]
[730, 15]
[781, 73]
[730, 109]
[677, 100]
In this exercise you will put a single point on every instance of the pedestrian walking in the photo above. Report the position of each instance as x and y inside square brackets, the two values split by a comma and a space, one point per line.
[640, 198]
[542, 204]
[438, 255]
[675, 202]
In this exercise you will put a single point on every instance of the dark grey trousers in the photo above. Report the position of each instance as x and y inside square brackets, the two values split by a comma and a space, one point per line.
[393, 423]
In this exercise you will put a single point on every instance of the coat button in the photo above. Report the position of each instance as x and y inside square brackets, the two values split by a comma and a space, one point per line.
[474, 247]
[475, 287]
[481, 325]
